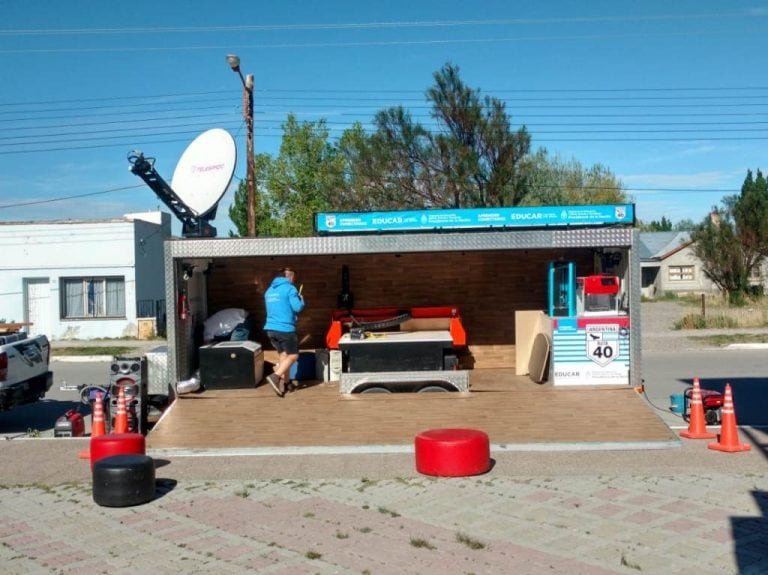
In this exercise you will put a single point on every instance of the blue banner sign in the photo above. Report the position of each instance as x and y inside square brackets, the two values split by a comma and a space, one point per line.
[475, 218]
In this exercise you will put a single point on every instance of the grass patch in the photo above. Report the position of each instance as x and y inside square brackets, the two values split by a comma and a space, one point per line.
[389, 512]
[630, 564]
[469, 541]
[112, 350]
[421, 543]
[313, 555]
[696, 321]
[727, 339]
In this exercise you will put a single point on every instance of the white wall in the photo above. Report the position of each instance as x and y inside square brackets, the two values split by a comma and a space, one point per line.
[684, 257]
[98, 248]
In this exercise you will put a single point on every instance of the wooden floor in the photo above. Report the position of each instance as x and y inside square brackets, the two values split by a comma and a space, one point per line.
[510, 409]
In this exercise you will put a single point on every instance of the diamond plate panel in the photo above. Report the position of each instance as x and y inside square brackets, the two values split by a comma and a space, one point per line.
[401, 243]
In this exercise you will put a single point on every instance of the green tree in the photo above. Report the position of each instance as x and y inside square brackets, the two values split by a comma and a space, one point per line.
[734, 238]
[472, 159]
[685, 225]
[238, 210]
[551, 181]
[663, 225]
[303, 179]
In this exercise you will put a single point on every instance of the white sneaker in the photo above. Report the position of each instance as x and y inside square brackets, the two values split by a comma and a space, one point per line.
[277, 384]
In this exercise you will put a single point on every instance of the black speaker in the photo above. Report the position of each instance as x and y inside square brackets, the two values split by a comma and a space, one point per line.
[130, 374]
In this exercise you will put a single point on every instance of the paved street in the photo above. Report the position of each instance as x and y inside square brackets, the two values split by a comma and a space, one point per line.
[683, 510]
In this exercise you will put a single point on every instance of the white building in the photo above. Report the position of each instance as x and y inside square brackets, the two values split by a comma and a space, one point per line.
[84, 279]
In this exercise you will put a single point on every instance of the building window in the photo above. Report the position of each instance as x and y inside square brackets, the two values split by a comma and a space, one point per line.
[755, 274]
[92, 297]
[680, 273]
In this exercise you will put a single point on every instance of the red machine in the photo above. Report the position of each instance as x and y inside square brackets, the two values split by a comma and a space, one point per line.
[713, 404]
[598, 294]
[71, 424]
[378, 319]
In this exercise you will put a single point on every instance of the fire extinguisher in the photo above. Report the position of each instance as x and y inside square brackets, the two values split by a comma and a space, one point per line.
[183, 306]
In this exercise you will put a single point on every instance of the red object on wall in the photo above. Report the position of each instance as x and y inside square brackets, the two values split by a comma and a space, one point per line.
[183, 307]
[452, 452]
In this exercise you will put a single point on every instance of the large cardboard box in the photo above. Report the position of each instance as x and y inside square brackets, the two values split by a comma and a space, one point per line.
[231, 365]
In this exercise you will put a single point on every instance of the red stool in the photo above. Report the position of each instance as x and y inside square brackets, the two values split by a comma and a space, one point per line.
[117, 444]
[452, 452]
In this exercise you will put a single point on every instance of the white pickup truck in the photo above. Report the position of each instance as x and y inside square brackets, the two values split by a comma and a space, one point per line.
[24, 373]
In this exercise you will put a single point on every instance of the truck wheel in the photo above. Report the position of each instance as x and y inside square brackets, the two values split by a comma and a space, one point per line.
[376, 390]
[432, 389]
[123, 480]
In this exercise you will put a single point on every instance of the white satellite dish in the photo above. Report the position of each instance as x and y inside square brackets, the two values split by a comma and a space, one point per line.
[205, 170]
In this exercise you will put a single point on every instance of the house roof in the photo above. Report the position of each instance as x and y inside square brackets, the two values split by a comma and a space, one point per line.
[655, 246]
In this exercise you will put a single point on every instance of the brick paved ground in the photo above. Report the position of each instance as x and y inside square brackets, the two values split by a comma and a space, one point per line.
[678, 511]
[685, 511]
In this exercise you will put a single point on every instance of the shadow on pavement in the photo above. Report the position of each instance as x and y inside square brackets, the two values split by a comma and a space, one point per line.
[37, 416]
[750, 396]
[749, 534]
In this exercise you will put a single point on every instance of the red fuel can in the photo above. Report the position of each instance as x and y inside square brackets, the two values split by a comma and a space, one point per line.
[71, 424]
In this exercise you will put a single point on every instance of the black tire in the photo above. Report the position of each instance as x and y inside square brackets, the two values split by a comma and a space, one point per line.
[383, 324]
[712, 417]
[123, 480]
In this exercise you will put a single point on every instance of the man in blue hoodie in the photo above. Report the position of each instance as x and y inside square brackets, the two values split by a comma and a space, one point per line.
[283, 302]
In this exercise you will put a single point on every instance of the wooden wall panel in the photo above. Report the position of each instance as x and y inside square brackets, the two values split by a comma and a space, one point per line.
[487, 286]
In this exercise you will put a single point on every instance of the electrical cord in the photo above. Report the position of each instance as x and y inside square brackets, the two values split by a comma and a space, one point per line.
[645, 396]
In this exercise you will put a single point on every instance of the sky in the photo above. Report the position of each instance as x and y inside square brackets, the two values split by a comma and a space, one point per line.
[672, 97]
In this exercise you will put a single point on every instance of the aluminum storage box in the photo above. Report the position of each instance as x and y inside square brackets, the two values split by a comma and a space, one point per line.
[158, 374]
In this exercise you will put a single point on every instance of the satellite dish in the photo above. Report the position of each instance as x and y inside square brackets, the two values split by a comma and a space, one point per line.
[205, 170]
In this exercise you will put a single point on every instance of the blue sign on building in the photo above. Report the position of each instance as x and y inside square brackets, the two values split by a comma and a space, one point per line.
[475, 218]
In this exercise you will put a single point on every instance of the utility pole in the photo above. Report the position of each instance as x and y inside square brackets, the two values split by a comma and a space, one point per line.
[234, 63]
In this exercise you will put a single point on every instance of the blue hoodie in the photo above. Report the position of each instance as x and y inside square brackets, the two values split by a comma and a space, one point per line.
[283, 304]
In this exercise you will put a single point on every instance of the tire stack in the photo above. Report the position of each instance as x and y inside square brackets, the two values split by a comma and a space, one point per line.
[123, 475]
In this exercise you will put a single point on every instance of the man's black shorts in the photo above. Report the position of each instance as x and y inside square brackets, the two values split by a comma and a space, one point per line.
[284, 341]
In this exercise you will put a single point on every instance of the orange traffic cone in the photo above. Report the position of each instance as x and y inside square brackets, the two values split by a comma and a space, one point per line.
[97, 423]
[121, 417]
[729, 436]
[697, 427]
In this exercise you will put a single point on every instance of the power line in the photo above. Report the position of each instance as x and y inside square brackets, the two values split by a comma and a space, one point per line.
[370, 25]
[266, 92]
[362, 44]
[51, 200]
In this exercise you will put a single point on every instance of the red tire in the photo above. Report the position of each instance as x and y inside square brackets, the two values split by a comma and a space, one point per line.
[117, 444]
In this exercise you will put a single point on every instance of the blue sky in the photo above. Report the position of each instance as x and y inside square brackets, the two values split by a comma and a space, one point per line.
[671, 96]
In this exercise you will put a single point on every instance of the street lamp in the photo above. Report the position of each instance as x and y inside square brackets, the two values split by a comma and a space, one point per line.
[234, 63]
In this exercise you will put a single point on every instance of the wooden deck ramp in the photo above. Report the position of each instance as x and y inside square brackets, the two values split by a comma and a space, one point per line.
[512, 410]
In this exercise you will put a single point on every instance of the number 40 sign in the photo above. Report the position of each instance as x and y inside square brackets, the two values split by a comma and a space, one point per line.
[602, 343]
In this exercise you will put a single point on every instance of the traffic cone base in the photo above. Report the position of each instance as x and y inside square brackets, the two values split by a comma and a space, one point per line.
[729, 433]
[697, 427]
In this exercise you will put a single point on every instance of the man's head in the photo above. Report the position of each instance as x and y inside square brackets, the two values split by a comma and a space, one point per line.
[289, 274]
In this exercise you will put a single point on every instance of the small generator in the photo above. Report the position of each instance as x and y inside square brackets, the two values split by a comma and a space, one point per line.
[71, 424]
